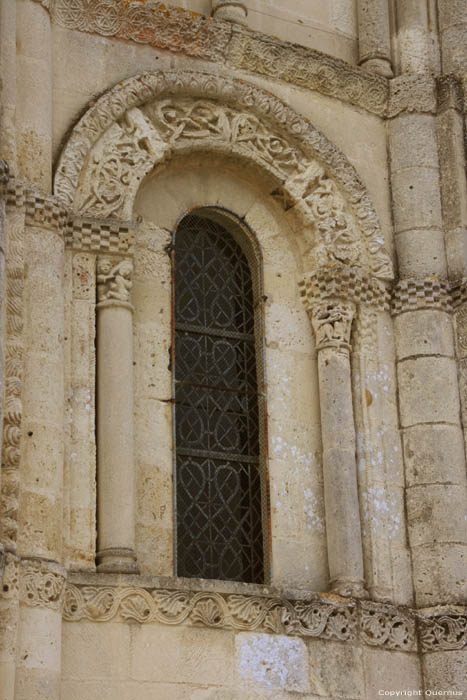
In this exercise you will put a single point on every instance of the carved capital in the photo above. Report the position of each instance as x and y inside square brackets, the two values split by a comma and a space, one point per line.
[42, 584]
[332, 323]
[114, 280]
[450, 93]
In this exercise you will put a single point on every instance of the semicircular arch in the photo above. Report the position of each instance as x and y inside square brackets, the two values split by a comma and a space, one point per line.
[147, 119]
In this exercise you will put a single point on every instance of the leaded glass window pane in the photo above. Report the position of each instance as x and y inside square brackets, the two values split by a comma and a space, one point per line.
[218, 490]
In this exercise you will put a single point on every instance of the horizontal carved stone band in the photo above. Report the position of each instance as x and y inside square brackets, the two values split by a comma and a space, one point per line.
[323, 616]
[414, 294]
[182, 31]
[345, 282]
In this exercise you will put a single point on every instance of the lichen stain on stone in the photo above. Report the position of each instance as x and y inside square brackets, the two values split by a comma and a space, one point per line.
[274, 662]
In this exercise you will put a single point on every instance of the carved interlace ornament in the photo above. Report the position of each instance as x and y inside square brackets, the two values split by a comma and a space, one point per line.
[145, 120]
[179, 30]
[114, 280]
[332, 324]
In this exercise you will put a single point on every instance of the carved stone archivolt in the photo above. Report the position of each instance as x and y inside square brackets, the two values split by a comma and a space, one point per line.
[145, 120]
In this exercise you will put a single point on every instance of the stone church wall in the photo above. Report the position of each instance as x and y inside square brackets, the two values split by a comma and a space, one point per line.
[331, 136]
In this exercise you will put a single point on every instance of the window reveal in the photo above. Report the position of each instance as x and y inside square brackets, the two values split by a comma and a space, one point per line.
[218, 490]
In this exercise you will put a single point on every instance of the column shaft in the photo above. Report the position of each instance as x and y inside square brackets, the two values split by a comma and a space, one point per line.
[340, 472]
[115, 449]
[34, 94]
[374, 41]
[8, 90]
[415, 47]
[452, 29]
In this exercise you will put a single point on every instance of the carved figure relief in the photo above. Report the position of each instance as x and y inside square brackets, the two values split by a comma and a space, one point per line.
[332, 322]
[114, 280]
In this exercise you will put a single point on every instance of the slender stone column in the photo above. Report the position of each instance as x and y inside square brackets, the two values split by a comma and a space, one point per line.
[374, 41]
[415, 46]
[8, 88]
[450, 134]
[332, 320]
[230, 10]
[453, 27]
[34, 93]
[116, 478]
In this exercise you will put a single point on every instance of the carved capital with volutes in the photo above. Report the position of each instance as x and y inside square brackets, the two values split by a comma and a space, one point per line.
[114, 281]
[230, 10]
[332, 323]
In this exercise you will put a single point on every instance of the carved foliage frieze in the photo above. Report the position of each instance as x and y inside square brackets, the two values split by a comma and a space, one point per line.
[150, 23]
[443, 630]
[327, 618]
[116, 144]
[42, 584]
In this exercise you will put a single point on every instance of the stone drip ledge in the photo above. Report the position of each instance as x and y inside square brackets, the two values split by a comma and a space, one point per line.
[181, 31]
[248, 607]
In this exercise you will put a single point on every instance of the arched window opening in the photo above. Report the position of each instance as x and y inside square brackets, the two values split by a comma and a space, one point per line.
[217, 445]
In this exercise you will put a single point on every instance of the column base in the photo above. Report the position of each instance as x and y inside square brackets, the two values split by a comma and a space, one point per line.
[349, 588]
[117, 560]
[381, 66]
[230, 11]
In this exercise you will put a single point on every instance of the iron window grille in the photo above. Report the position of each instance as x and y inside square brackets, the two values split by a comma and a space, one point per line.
[217, 450]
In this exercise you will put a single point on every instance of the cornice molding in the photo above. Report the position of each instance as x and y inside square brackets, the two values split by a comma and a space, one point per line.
[325, 616]
[181, 31]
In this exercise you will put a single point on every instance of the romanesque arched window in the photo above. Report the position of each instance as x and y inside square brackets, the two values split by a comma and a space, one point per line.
[217, 445]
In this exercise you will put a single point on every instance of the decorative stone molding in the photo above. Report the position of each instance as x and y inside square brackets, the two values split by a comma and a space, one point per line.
[100, 235]
[42, 584]
[9, 584]
[13, 363]
[309, 69]
[152, 23]
[450, 93]
[326, 617]
[114, 279]
[44, 212]
[427, 293]
[412, 93]
[443, 628]
[182, 31]
[209, 112]
[4, 174]
[345, 282]
[459, 293]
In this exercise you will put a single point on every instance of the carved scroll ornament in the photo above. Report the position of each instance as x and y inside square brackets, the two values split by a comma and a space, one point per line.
[137, 126]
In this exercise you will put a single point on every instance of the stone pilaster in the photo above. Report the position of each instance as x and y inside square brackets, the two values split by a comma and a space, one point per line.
[116, 476]
[38, 655]
[427, 376]
[332, 321]
[34, 94]
[230, 10]
[374, 41]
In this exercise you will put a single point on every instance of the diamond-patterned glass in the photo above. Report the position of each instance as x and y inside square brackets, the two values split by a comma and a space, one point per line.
[219, 524]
